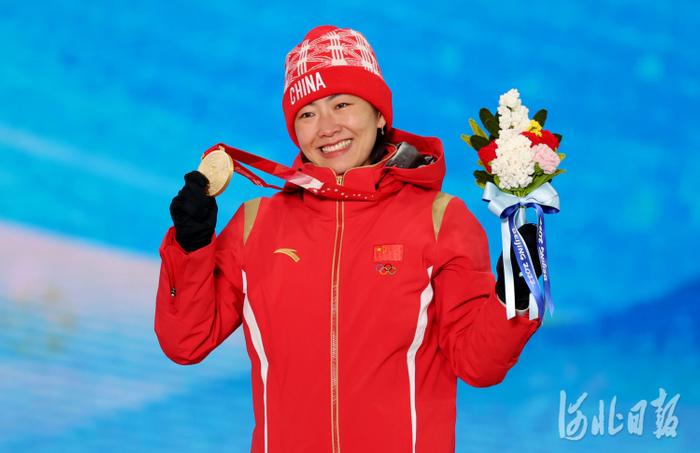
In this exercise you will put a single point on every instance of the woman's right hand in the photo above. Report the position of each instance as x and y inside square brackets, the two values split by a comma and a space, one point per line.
[194, 213]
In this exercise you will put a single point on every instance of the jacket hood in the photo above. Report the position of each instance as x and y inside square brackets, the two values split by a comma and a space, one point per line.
[387, 175]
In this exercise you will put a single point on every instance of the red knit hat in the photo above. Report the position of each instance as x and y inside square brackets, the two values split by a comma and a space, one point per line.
[332, 60]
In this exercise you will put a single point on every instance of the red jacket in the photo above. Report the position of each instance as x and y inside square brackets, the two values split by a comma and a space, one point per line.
[358, 316]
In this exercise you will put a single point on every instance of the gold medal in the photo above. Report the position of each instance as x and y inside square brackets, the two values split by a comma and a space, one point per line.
[217, 166]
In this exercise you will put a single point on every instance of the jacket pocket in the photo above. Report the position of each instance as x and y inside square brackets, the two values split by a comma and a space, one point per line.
[171, 280]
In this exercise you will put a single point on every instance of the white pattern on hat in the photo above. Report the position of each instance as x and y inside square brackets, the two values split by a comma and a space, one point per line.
[303, 53]
[340, 47]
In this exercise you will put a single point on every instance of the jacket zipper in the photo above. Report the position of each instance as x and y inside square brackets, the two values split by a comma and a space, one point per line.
[335, 280]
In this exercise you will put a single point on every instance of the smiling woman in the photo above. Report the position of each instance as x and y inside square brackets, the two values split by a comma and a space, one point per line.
[359, 315]
[338, 131]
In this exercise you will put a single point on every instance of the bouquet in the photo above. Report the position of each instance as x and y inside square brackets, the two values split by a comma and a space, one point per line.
[519, 158]
[518, 155]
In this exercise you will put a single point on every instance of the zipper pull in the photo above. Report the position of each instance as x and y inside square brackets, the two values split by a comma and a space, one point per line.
[339, 180]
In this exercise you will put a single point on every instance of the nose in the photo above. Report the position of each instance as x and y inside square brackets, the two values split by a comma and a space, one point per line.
[327, 125]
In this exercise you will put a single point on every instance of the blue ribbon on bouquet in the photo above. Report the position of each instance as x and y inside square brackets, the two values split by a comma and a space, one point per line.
[511, 210]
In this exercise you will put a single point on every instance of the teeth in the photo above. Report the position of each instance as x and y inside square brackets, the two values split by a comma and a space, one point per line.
[336, 147]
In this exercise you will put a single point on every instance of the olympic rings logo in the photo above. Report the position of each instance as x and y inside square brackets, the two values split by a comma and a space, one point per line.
[385, 269]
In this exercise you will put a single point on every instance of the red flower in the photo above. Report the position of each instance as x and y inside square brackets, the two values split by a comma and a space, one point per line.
[546, 137]
[487, 154]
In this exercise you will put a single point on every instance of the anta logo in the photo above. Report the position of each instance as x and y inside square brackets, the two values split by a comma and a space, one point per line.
[306, 85]
[290, 253]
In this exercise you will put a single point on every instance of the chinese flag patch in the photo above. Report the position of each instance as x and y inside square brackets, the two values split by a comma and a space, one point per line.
[388, 252]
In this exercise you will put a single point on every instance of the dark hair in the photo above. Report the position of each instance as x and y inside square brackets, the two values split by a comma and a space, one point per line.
[379, 149]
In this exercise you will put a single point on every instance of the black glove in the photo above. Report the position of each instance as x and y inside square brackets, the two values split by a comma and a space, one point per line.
[194, 213]
[522, 292]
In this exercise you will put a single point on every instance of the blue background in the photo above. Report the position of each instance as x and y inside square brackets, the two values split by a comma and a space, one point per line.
[104, 106]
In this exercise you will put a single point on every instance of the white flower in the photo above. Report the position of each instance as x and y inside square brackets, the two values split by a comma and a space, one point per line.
[510, 99]
[519, 119]
[504, 117]
[511, 113]
[506, 134]
[514, 164]
[512, 142]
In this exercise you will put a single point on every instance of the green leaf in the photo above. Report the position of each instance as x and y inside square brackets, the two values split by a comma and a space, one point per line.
[540, 179]
[480, 163]
[489, 121]
[482, 178]
[497, 121]
[467, 140]
[492, 125]
[476, 129]
[559, 137]
[478, 142]
[540, 117]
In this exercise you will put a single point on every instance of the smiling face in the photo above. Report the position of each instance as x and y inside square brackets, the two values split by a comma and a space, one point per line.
[338, 131]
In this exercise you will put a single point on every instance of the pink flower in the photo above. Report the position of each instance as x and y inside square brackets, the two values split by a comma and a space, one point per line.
[546, 158]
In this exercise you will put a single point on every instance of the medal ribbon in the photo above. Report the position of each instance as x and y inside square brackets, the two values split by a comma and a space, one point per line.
[299, 178]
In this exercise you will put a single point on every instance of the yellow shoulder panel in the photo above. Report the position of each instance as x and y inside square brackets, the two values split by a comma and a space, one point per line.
[439, 205]
[251, 211]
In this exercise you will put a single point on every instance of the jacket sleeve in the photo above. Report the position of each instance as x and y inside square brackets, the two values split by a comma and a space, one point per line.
[474, 334]
[199, 302]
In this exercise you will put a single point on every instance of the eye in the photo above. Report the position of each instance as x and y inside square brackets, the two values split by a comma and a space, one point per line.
[341, 105]
[304, 115]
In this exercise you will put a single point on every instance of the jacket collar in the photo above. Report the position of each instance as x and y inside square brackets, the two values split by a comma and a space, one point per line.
[377, 177]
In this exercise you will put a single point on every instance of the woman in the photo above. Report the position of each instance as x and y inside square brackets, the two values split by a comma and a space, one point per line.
[359, 316]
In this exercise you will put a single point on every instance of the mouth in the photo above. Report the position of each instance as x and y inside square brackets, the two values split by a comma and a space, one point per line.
[336, 148]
